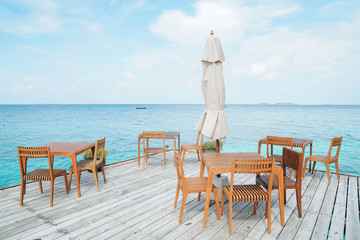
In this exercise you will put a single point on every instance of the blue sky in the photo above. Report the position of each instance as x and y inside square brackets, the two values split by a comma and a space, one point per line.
[142, 51]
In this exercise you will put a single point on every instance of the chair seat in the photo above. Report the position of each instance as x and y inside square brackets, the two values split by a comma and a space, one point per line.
[320, 158]
[278, 158]
[190, 146]
[264, 180]
[87, 164]
[154, 150]
[198, 183]
[43, 174]
[247, 193]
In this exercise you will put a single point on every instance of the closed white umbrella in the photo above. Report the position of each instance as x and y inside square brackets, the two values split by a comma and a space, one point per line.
[213, 123]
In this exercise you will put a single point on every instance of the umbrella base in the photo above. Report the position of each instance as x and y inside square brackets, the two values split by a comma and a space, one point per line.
[219, 182]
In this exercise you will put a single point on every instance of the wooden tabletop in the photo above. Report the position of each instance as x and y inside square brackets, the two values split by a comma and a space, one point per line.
[224, 160]
[59, 148]
[168, 135]
[297, 142]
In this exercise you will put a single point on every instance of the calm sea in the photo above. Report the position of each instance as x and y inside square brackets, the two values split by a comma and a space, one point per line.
[34, 125]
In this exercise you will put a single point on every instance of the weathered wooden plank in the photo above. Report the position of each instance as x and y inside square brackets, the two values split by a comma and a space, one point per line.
[294, 221]
[138, 204]
[321, 227]
[310, 216]
[336, 230]
[260, 229]
[352, 230]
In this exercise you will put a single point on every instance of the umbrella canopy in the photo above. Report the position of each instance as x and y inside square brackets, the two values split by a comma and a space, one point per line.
[213, 123]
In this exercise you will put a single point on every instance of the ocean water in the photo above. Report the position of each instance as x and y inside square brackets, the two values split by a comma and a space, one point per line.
[35, 125]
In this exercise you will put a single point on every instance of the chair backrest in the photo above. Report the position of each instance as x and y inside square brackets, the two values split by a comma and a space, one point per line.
[294, 160]
[252, 167]
[335, 142]
[33, 152]
[200, 137]
[153, 135]
[179, 169]
[281, 141]
[100, 145]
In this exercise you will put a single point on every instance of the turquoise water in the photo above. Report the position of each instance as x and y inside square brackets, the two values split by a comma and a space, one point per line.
[34, 125]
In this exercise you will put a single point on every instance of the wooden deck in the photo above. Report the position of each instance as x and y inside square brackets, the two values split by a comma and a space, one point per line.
[138, 204]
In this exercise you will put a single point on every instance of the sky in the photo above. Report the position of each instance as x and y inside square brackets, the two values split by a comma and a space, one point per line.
[149, 52]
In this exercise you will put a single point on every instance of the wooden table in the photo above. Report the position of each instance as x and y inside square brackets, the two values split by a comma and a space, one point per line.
[70, 149]
[168, 135]
[297, 142]
[217, 163]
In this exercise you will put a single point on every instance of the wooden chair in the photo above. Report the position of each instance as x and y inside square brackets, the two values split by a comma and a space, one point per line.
[38, 174]
[291, 159]
[249, 193]
[197, 146]
[92, 164]
[327, 159]
[146, 149]
[278, 141]
[191, 185]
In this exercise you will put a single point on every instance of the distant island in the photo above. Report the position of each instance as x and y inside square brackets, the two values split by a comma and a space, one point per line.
[284, 103]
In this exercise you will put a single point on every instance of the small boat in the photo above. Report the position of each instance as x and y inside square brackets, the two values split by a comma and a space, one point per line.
[141, 107]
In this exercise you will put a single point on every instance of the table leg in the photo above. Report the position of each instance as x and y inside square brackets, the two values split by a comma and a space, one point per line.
[174, 149]
[310, 155]
[139, 150]
[303, 155]
[208, 195]
[76, 175]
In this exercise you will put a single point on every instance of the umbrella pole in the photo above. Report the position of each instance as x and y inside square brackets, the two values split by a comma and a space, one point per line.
[218, 151]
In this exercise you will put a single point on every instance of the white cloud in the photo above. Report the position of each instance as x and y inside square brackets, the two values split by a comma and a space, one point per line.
[229, 19]
[38, 17]
[129, 5]
[129, 76]
[92, 26]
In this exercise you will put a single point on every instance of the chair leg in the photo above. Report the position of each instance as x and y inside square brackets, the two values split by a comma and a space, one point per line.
[70, 176]
[183, 156]
[298, 199]
[197, 151]
[103, 172]
[222, 202]
[22, 192]
[182, 206]
[144, 159]
[284, 196]
[40, 186]
[328, 172]
[177, 194]
[164, 161]
[313, 169]
[51, 192]
[66, 184]
[304, 169]
[337, 169]
[255, 206]
[199, 195]
[230, 216]
[216, 194]
[268, 213]
[94, 170]
[290, 171]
